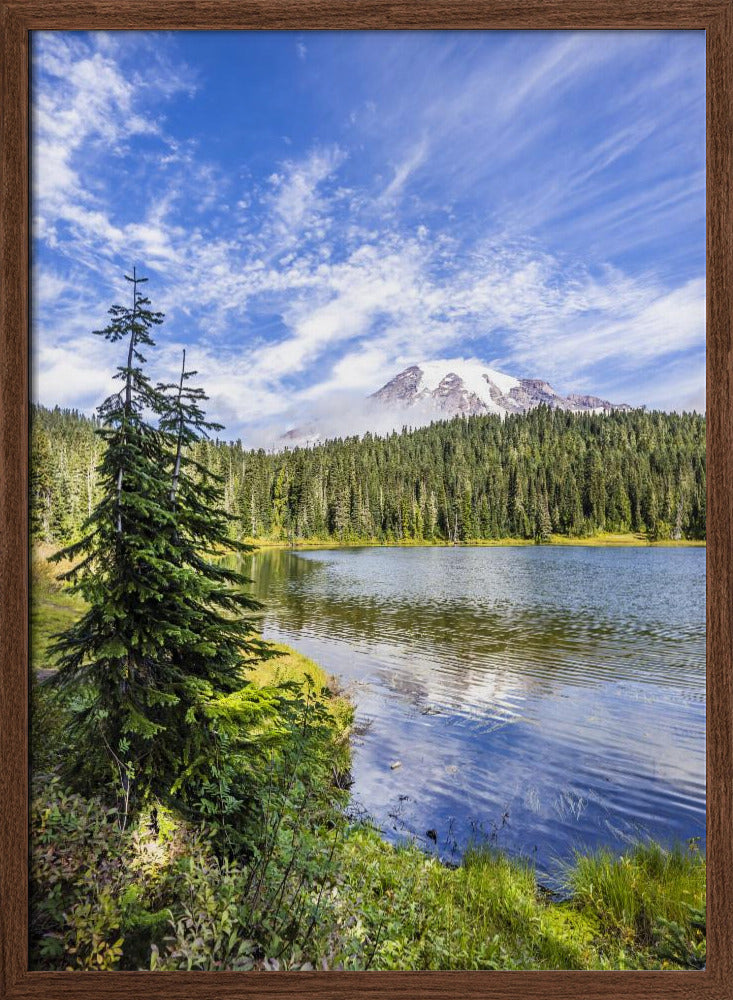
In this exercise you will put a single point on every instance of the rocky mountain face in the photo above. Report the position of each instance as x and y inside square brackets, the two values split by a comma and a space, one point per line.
[439, 390]
[459, 387]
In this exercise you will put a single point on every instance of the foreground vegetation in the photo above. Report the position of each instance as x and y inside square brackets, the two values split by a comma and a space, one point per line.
[162, 895]
[158, 896]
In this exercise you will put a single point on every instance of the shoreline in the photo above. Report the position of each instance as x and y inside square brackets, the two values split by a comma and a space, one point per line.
[609, 540]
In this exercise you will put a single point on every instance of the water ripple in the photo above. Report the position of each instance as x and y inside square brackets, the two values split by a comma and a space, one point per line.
[544, 698]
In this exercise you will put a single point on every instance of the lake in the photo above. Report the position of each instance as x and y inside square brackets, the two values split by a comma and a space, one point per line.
[544, 699]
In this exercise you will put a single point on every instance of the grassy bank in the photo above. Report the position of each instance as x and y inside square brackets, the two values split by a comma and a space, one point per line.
[605, 539]
[635, 911]
[52, 607]
[159, 897]
[311, 889]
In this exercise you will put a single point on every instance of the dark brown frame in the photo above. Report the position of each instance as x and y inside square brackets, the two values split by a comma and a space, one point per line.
[17, 18]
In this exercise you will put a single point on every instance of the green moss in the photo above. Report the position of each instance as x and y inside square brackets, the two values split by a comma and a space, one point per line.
[291, 666]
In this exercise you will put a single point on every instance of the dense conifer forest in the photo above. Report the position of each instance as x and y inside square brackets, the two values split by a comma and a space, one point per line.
[528, 477]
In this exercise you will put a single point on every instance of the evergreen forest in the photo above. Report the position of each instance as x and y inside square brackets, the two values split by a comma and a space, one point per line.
[530, 476]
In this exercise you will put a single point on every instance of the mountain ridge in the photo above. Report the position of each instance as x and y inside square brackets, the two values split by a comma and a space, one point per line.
[446, 388]
[467, 387]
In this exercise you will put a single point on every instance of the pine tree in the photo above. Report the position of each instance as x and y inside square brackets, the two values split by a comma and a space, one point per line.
[112, 651]
[543, 522]
[161, 637]
[205, 615]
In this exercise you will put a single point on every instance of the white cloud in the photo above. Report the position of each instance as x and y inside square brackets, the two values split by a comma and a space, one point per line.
[73, 375]
[355, 287]
[628, 323]
[82, 120]
[297, 201]
[404, 170]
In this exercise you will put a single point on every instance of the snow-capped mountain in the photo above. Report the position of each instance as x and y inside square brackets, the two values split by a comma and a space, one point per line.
[465, 387]
[436, 390]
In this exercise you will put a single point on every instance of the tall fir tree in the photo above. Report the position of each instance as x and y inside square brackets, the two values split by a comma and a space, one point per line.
[166, 631]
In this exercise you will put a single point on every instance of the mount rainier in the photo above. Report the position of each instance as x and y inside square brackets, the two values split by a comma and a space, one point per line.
[465, 387]
[439, 390]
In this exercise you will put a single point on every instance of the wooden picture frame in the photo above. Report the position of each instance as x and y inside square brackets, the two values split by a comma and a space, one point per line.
[19, 17]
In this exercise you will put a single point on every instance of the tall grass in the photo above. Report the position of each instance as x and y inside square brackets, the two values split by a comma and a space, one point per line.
[637, 894]
[402, 909]
[53, 609]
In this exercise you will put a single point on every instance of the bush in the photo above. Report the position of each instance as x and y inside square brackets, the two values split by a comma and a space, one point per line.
[95, 896]
[202, 893]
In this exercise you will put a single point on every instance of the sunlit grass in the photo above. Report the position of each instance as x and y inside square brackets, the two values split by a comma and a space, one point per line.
[490, 913]
[53, 609]
[629, 894]
[291, 666]
[600, 540]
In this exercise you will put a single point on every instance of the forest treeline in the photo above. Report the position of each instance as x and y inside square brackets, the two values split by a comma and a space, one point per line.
[528, 476]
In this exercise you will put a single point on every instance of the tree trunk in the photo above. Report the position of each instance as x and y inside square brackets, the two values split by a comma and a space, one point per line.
[177, 466]
[128, 393]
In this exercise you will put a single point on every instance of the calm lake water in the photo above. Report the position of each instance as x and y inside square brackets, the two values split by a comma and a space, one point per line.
[545, 699]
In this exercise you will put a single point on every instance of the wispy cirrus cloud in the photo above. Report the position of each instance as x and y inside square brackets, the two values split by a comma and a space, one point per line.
[297, 201]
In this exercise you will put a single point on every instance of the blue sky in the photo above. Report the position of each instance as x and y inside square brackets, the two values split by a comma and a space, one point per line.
[316, 211]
